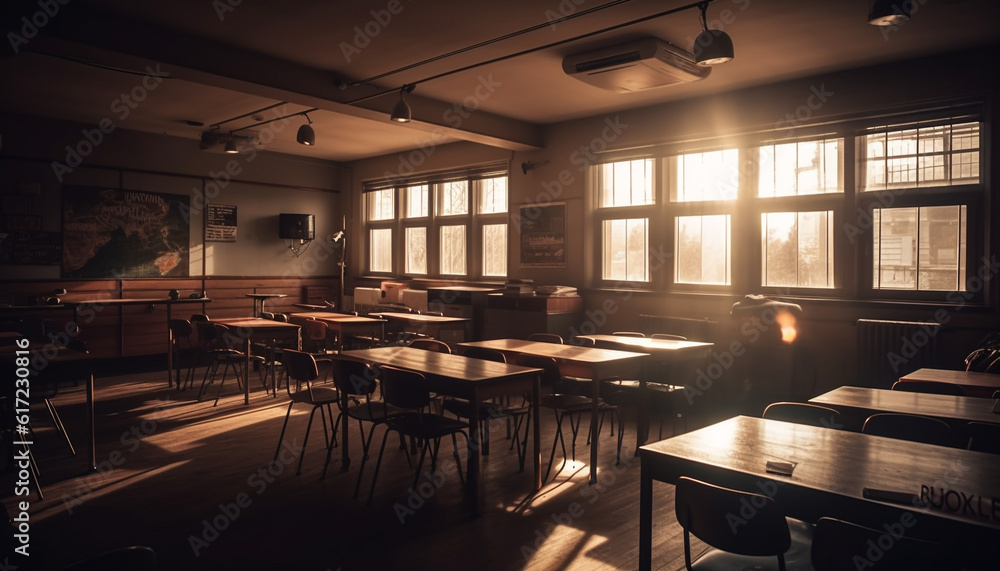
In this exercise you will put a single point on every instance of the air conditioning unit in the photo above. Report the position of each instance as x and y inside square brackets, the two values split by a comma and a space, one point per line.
[635, 66]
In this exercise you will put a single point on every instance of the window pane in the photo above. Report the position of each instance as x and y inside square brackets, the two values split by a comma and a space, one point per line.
[453, 250]
[797, 249]
[494, 249]
[921, 248]
[493, 195]
[805, 167]
[702, 249]
[626, 244]
[381, 204]
[453, 198]
[416, 250]
[625, 183]
[417, 198]
[941, 155]
[380, 259]
[707, 176]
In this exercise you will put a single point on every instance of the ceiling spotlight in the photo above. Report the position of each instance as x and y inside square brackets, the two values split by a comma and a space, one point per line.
[231, 146]
[889, 12]
[711, 47]
[401, 112]
[306, 136]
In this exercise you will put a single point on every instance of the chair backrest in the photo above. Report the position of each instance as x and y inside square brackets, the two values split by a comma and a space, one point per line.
[316, 330]
[404, 389]
[911, 427]
[838, 544]
[931, 387]
[983, 437]
[353, 377]
[181, 331]
[301, 368]
[135, 558]
[629, 333]
[668, 336]
[550, 374]
[804, 413]
[546, 338]
[199, 317]
[428, 344]
[706, 511]
[484, 354]
[266, 315]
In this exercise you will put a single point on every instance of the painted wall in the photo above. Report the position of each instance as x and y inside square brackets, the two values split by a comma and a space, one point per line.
[260, 185]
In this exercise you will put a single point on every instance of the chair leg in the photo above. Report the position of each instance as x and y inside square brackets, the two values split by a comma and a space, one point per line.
[378, 465]
[60, 427]
[558, 439]
[282, 435]
[302, 453]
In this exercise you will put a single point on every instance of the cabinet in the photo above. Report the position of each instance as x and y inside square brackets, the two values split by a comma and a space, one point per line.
[518, 316]
[462, 301]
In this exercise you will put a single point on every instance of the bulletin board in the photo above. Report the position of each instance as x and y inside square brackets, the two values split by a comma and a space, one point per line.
[543, 235]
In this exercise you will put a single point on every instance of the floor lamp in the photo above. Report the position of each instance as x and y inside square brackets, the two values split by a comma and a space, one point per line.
[341, 238]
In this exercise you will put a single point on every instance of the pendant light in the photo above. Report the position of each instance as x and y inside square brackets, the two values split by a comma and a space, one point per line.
[306, 136]
[712, 47]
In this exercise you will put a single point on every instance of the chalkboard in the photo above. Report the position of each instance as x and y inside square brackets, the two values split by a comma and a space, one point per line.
[114, 233]
[30, 248]
[220, 223]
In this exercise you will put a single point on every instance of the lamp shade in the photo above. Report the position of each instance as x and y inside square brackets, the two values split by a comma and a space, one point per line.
[231, 147]
[889, 12]
[401, 112]
[713, 47]
[306, 136]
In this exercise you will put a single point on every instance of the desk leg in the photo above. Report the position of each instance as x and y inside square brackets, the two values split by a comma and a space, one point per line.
[536, 437]
[645, 519]
[90, 418]
[595, 429]
[345, 456]
[246, 372]
[170, 355]
[642, 411]
[475, 494]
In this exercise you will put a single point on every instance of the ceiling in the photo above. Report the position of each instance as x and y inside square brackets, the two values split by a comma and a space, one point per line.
[226, 58]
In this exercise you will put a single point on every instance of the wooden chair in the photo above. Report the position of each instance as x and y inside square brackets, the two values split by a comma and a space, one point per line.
[546, 338]
[804, 413]
[303, 373]
[408, 390]
[983, 437]
[668, 336]
[428, 344]
[837, 544]
[186, 353]
[912, 427]
[215, 340]
[930, 387]
[629, 334]
[565, 405]
[767, 540]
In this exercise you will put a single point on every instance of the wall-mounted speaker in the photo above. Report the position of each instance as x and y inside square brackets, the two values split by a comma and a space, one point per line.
[297, 226]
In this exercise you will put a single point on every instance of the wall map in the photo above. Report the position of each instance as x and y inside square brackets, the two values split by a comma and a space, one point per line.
[111, 233]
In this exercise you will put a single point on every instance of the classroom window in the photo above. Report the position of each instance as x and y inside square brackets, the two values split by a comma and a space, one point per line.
[443, 224]
[921, 248]
[702, 253]
[797, 249]
[922, 156]
[626, 256]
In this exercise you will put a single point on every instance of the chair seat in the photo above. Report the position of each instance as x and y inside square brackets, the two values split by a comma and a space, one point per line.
[487, 409]
[373, 412]
[571, 403]
[798, 556]
[424, 426]
[320, 395]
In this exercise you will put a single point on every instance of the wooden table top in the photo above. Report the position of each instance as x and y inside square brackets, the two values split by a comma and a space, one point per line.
[256, 323]
[440, 364]
[418, 317]
[331, 317]
[649, 344]
[964, 378]
[835, 463]
[946, 407]
[573, 353]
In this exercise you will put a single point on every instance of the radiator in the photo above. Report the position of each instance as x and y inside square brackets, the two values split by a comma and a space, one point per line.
[888, 350]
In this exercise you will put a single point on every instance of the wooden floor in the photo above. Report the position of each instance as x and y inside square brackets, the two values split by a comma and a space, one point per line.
[195, 483]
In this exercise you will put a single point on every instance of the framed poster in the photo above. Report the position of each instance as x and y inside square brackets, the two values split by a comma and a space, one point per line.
[113, 233]
[543, 235]
[220, 223]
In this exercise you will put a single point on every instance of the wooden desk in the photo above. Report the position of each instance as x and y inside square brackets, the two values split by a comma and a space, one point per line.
[343, 324]
[574, 361]
[472, 379]
[431, 325]
[855, 404]
[833, 468]
[975, 384]
[43, 356]
[666, 351]
[245, 328]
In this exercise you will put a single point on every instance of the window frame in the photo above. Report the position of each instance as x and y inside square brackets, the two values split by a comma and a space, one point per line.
[433, 223]
[851, 208]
